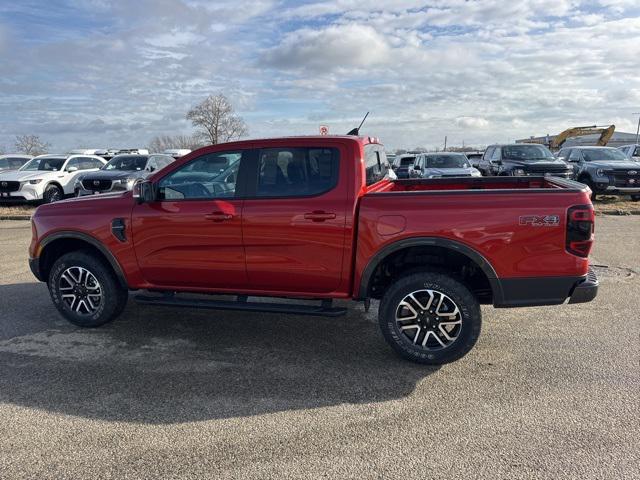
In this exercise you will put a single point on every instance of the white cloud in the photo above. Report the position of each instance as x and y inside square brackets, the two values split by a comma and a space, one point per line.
[331, 48]
[472, 122]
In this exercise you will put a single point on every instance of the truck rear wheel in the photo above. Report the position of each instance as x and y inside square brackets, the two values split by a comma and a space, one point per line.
[430, 318]
[85, 290]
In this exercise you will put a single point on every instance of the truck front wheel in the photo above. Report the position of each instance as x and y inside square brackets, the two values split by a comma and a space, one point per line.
[85, 290]
[430, 318]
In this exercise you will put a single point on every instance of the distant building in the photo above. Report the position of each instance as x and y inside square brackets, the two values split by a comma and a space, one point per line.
[618, 139]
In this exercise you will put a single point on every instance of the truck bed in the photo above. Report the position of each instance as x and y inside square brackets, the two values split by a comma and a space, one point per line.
[536, 184]
[496, 217]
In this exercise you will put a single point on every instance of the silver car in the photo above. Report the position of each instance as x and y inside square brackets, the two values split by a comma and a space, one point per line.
[442, 164]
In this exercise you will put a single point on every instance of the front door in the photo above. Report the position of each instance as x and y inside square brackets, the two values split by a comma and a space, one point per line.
[191, 236]
[294, 222]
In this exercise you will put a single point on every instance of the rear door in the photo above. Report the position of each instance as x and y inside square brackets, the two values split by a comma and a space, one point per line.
[294, 219]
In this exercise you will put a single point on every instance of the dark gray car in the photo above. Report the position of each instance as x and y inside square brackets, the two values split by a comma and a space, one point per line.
[606, 170]
[120, 173]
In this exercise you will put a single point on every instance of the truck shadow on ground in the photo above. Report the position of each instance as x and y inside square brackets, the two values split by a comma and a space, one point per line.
[157, 365]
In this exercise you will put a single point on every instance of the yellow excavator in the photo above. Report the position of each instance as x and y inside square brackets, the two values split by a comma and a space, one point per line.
[605, 135]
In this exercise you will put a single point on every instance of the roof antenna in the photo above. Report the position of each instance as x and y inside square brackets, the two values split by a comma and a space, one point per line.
[356, 131]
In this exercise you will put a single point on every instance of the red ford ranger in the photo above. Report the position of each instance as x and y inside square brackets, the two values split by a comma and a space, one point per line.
[321, 218]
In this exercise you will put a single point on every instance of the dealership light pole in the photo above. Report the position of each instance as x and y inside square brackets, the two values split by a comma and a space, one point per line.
[637, 129]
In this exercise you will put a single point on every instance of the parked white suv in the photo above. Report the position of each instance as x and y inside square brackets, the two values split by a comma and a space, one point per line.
[47, 178]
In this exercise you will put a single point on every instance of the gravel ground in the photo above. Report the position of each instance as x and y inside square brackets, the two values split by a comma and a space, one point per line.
[547, 392]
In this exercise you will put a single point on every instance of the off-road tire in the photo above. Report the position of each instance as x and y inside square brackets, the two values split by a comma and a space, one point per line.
[113, 296]
[467, 304]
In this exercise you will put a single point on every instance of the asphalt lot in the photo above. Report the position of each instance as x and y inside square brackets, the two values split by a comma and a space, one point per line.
[549, 392]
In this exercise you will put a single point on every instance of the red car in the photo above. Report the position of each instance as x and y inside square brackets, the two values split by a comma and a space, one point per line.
[319, 218]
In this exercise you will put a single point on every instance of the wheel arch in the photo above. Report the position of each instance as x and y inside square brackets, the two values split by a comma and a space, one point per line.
[55, 245]
[469, 253]
[54, 183]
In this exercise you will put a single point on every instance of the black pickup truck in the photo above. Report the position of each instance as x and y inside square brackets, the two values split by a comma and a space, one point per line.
[522, 159]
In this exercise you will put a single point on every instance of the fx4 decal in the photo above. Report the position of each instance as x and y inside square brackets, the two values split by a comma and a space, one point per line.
[540, 220]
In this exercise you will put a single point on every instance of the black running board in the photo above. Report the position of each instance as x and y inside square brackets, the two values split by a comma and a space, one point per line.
[323, 310]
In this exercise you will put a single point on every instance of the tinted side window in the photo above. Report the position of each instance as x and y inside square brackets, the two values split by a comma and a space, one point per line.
[575, 156]
[16, 162]
[164, 161]
[206, 177]
[488, 152]
[152, 165]
[375, 163]
[297, 172]
[74, 162]
[496, 154]
[87, 163]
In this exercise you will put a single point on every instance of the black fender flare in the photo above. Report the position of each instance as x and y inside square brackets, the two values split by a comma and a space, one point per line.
[453, 245]
[94, 242]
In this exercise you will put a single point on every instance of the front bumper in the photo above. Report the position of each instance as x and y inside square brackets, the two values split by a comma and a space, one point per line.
[25, 194]
[585, 290]
[612, 189]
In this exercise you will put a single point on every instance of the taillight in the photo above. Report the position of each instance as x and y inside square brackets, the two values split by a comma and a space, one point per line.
[580, 226]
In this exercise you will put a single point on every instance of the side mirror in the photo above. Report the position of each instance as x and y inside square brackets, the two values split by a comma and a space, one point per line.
[417, 167]
[72, 169]
[144, 192]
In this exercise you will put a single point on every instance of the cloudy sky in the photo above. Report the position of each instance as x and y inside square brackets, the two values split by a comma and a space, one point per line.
[100, 73]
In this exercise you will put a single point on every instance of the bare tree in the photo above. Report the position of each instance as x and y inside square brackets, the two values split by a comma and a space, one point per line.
[216, 121]
[31, 145]
[164, 142]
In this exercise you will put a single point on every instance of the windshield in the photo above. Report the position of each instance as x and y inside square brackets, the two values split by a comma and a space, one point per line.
[4, 163]
[610, 154]
[636, 153]
[31, 165]
[51, 164]
[407, 161]
[447, 161]
[127, 162]
[525, 153]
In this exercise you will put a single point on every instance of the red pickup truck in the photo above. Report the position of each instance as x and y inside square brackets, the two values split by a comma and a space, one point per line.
[321, 218]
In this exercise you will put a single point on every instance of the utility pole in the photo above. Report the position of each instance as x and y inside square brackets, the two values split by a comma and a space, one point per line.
[637, 129]
[445, 143]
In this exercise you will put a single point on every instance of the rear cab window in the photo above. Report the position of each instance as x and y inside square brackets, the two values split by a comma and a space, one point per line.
[375, 163]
